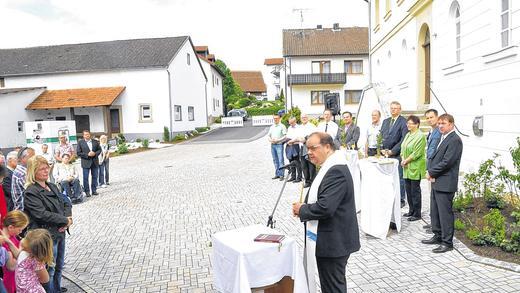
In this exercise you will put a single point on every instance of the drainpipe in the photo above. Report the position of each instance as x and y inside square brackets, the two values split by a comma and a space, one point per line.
[206, 98]
[286, 94]
[369, 42]
[170, 101]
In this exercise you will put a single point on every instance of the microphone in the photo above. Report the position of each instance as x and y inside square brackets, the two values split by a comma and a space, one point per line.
[292, 164]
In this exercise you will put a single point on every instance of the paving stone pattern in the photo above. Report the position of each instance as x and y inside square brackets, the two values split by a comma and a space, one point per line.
[150, 231]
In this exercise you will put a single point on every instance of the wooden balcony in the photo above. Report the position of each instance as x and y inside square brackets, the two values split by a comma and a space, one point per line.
[317, 78]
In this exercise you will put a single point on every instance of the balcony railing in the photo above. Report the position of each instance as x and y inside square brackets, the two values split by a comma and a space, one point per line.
[317, 78]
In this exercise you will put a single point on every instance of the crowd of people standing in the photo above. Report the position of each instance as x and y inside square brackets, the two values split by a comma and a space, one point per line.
[36, 209]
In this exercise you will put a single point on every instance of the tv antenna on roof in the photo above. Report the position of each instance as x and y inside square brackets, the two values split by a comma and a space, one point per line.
[300, 11]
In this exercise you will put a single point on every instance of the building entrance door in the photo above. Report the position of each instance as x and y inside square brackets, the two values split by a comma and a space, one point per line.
[115, 123]
[82, 123]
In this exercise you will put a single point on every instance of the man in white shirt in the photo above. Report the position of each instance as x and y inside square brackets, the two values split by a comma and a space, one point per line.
[293, 149]
[308, 168]
[372, 132]
[330, 127]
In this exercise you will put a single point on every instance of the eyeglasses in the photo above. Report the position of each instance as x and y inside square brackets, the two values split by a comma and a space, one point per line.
[314, 147]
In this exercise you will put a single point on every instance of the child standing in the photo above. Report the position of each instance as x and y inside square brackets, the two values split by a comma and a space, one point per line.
[35, 254]
[14, 223]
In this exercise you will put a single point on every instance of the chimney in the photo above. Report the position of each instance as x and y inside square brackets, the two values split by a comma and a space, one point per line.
[335, 27]
[319, 27]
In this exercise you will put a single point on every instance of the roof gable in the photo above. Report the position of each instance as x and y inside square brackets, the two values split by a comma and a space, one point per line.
[99, 56]
[326, 41]
[249, 81]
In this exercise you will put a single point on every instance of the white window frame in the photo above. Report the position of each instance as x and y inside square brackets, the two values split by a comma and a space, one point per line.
[505, 29]
[20, 126]
[177, 114]
[350, 95]
[191, 113]
[142, 118]
[349, 68]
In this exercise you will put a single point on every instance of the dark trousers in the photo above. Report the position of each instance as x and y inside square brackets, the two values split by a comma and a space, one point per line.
[332, 274]
[94, 173]
[73, 188]
[401, 181]
[413, 194]
[103, 172]
[309, 170]
[296, 172]
[442, 216]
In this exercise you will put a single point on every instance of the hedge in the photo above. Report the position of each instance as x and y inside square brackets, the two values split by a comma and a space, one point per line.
[263, 111]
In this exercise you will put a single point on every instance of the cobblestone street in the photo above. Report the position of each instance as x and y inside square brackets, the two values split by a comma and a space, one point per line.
[150, 230]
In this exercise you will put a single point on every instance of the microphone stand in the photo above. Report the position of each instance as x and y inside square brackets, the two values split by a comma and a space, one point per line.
[270, 221]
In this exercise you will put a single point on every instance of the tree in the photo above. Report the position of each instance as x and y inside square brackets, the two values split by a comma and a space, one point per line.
[232, 91]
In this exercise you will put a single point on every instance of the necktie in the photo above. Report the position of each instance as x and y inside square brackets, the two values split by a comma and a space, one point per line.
[326, 126]
[392, 122]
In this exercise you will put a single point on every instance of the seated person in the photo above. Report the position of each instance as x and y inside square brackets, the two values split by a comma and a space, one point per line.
[66, 175]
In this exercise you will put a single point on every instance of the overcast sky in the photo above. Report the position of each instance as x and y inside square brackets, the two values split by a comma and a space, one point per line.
[241, 32]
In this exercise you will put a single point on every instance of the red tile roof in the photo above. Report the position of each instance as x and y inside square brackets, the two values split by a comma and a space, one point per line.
[201, 48]
[273, 61]
[315, 42]
[250, 81]
[74, 98]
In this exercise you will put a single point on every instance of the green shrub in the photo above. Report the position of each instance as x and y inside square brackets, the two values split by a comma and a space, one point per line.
[179, 137]
[263, 111]
[516, 216]
[294, 112]
[138, 140]
[462, 202]
[459, 225]
[218, 119]
[472, 234]
[121, 138]
[243, 102]
[122, 148]
[495, 226]
[166, 134]
[202, 129]
[146, 143]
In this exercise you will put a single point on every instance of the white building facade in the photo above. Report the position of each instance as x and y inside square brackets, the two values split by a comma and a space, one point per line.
[274, 74]
[166, 92]
[322, 61]
[461, 55]
[215, 101]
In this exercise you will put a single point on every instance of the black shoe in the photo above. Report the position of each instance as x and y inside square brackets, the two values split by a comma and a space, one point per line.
[403, 204]
[393, 226]
[413, 218]
[407, 214]
[76, 201]
[428, 231]
[281, 178]
[87, 194]
[95, 193]
[433, 240]
[442, 248]
[63, 289]
[275, 177]
[307, 185]
[291, 179]
[428, 226]
[297, 181]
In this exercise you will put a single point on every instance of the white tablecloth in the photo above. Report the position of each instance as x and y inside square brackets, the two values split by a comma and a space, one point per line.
[239, 263]
[352, 158]
[380, 196]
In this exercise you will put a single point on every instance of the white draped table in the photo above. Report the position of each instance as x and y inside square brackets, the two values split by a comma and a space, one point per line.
[380, 196]
[352, 163]
[239, 263]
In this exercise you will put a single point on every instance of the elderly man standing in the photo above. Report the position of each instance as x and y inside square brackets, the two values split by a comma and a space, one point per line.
[18, 179]
[443, 173]
[88, 151]
[12, 161]
[293, 149]
[308, 168]
[276, 136]
[351, 132]
[329, 214]
[372, 132]
[394, 130]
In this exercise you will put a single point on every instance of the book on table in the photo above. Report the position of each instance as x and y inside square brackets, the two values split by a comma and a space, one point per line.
[272, 238]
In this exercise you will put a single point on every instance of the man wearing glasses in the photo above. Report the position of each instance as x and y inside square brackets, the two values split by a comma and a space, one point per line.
[19, 174]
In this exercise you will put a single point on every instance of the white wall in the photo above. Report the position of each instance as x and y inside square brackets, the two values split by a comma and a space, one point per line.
[188, 89]
[301, 94]
[271, 81]
[215, 102]
[485, 82]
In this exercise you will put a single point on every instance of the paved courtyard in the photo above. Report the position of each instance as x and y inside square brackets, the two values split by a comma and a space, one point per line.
[150, 231]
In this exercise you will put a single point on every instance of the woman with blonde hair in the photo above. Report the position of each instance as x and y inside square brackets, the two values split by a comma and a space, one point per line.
[103, 161]
[46, 208]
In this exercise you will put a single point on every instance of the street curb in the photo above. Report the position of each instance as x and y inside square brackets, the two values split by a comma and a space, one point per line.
[246, 140]
[80, 284]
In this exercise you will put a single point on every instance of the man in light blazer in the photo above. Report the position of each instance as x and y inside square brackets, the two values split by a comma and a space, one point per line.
[351, 132]
[394, 130]
[443, 173]
[88, 150]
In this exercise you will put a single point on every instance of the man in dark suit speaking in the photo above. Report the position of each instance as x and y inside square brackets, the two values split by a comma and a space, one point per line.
[329, 214]
[88, 150]
[443, 173]
[393, 131]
